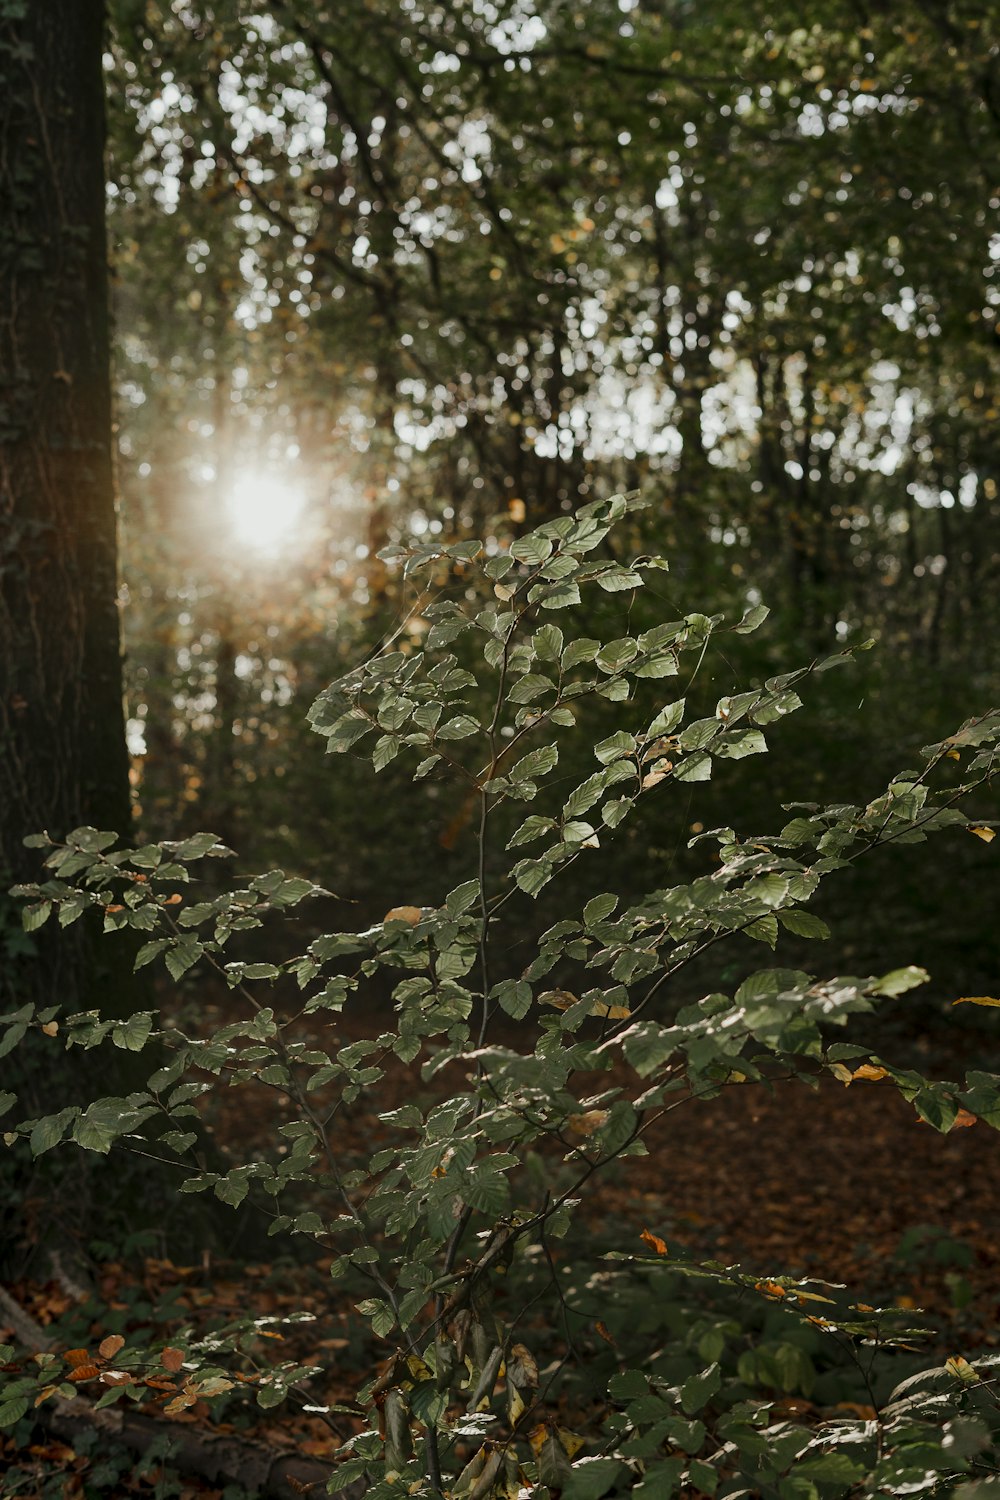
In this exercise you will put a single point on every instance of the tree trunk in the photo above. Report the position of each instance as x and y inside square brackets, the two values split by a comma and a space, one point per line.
[63, 760]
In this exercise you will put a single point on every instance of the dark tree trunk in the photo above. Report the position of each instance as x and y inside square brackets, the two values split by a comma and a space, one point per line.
[63, 759]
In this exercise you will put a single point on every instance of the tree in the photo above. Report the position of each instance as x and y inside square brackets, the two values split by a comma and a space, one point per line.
[63, 759]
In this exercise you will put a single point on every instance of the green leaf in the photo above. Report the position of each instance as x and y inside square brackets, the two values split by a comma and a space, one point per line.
[667, 719]
[13, 1411]
[535, 764]
[754, 617]
[579, 651]
[514, 996]
[617, 654]
[592, 1478]
[698, 1390]
[548, 643]
[598, 908]
[35, 916]
[615, 747]
[233, 1188]
[617, 579]
[459, 728]
[532, 549]
[184, 953]
[898, 981]
[133, 1034]
[741, 744]
[50, 1131]
[803, 923]
[696, 767]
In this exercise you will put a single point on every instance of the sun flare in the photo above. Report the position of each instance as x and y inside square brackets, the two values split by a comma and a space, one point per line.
[266, 511]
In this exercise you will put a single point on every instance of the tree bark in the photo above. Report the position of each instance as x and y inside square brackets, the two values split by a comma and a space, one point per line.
[63, 759]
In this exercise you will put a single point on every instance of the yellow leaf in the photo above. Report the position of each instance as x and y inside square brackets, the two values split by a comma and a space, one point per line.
[959, 1366]
[963, 1120]
[976, 1000]
[986, 834]
[588, 1122]
[45, 1393]
[561, 999]
[840, 1072]
[51, 1028]
[871, 1073]
[570, 1441]
[613, 1012]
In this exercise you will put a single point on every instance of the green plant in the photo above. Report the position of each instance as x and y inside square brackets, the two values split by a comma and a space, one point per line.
[463, 1225]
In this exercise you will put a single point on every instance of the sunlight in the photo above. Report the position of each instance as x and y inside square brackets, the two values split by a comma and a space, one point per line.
[266, 511]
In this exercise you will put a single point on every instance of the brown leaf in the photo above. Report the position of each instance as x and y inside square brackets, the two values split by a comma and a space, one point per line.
[51, 1028]
[45, 1393]
[963, 1120]
[110, 1346]
[411, 914]
[83, 1372]
[171, 1359]
[179, 1403]
[605, 1334]
[76, 1357]
[976, 1000]
[654, 1242]
[115, 1377]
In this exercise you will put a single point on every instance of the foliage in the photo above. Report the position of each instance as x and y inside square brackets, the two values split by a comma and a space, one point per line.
[465, 266]
[461, 1230]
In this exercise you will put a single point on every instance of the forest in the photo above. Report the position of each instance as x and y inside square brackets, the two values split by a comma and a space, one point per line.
[499, 704]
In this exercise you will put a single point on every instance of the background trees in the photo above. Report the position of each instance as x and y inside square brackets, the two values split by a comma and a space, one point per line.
[460, 267]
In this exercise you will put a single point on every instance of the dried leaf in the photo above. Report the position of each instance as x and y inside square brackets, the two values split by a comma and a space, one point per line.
[588, 1122]
[561, 999]
[870, 1072]
[654, 1242]
[770, 1289]
[171, 1359]
[410, 914]
[110, 1346]
[77, 1357]
[51, 1028]
[603, 1331]
[976, 1000]
[84, 1372]
[986, 834]
[963, 1120]
[179, 1403]
[116, 1377]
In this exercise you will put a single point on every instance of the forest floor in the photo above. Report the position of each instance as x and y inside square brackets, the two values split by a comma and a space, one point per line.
[844, 1184]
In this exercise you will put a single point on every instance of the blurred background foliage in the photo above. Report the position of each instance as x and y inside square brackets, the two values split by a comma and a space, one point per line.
[394, 267]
